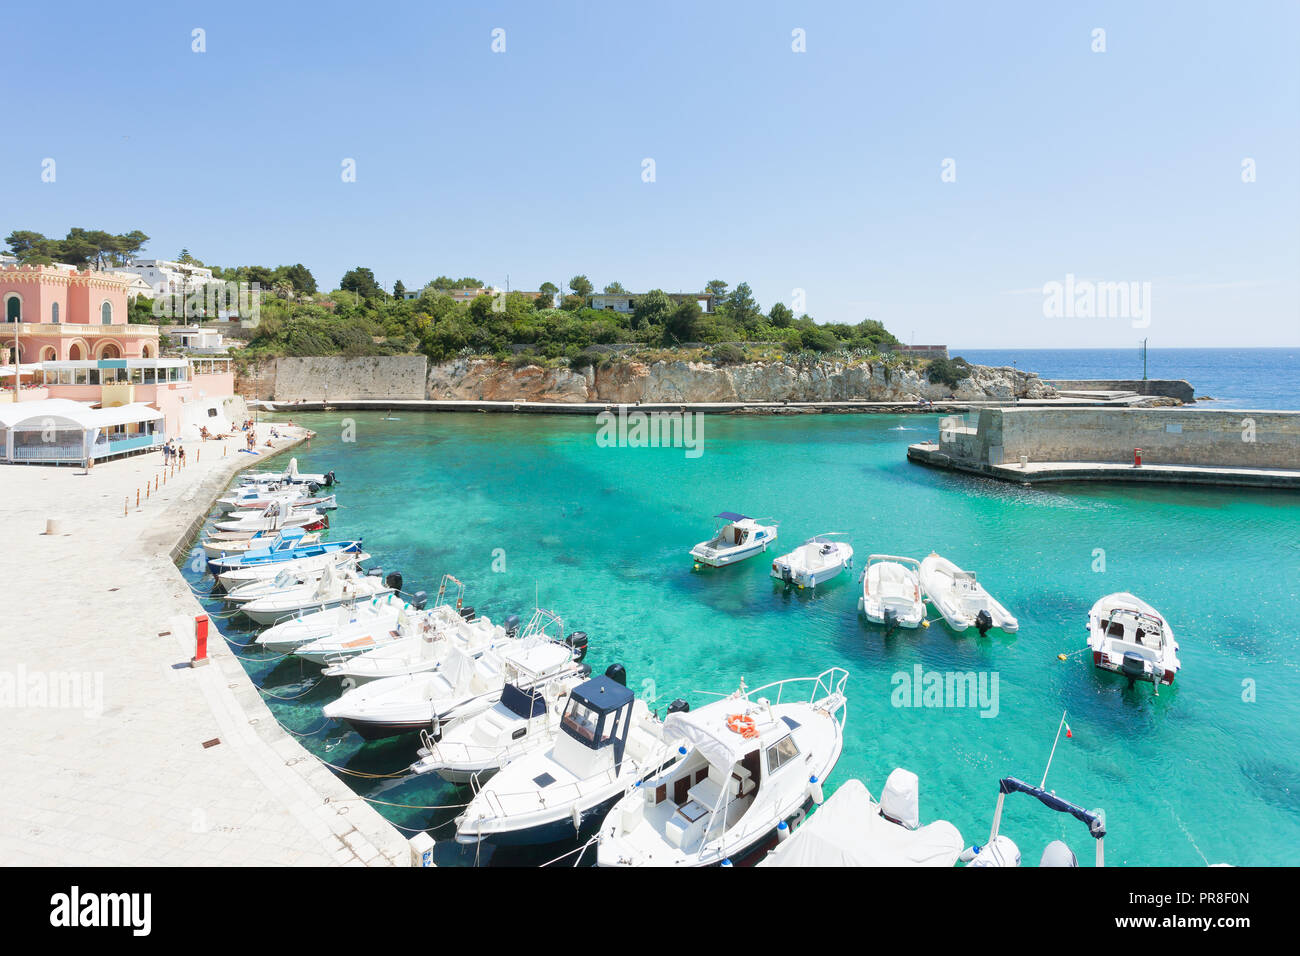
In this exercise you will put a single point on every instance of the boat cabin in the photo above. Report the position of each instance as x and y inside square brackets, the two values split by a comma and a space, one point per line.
[595, 727]
[1125, 626]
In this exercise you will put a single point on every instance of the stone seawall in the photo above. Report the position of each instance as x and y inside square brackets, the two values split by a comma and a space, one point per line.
[366, 377]
[1198, 437]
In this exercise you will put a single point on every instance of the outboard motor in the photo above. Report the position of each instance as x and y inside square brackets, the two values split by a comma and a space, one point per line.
[466, 613]
[617, 673]
[584, 671]
[329, 478]
[312, 487]
[578, 641]
[1134, 667]
[1057, 853]
[983, 621]
[511, 624]
[394, 581]
[891, 619]
[419, 600]
[679, 706]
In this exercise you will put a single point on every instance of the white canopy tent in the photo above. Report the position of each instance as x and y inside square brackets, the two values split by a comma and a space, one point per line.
[59, 429]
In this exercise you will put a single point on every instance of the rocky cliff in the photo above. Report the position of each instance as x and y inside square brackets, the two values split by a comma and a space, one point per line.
[632, 381]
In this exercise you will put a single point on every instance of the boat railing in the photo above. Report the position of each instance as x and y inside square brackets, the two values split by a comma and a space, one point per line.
[829, 683]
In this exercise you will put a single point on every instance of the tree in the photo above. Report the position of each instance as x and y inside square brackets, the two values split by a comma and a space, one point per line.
[188, 259]
[399, 290]
[301, 278]
[780, 316]
[615, 288]
[653, 308]
[716, 288]
[548, 292]
[361, 281]
[581, 286]
[742, 307]
[681, 324]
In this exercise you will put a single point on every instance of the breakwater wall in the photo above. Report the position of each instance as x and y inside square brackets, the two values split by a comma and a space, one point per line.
[1161, 387]
[1170, 436]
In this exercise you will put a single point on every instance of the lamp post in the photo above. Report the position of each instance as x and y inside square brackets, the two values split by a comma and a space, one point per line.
[17, 322]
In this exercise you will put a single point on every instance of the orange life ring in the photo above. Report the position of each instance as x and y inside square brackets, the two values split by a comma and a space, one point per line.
[740, 724]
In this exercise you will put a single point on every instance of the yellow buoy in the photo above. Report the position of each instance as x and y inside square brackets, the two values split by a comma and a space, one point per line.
[1062, 657]
[925, 623]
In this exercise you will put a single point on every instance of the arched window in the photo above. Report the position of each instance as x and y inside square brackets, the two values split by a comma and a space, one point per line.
[74, 352]
[54, 313]
[13, 308]
[106, 313]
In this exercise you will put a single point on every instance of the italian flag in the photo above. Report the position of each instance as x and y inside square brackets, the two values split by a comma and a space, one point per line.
[1068, 732]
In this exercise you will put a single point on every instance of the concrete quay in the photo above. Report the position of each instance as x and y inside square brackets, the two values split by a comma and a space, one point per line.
[1176, 446]
[117, 751]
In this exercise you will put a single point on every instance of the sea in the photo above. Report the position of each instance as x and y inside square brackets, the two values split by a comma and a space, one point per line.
[532, 510]
[1232, 378]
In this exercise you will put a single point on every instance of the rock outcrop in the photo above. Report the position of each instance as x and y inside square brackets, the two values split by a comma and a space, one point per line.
[633, 381]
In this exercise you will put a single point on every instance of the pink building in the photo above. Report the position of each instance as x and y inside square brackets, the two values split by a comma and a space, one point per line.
[64, 315]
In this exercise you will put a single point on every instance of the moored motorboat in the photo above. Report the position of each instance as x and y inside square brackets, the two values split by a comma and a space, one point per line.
[891, 591]
[1130, 637]
[290, 475]
[816, 561]
[739, 538]
[962, 600]
[374, 617]
[274, 517]
[852, 829]
[422, 646]
[308, 562]
[607, 741]
[526, 718]
[232, 543]
[749, 763]
[465, 684]
[336, 586]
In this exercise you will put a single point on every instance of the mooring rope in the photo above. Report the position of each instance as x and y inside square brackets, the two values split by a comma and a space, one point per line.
[310, 688]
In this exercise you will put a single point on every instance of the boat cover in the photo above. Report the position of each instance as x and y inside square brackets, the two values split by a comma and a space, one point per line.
[847, 830]
[731, 516]
[706, 730]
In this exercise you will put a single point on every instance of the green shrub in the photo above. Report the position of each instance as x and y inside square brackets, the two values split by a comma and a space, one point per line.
[948, 371]
[727, 354]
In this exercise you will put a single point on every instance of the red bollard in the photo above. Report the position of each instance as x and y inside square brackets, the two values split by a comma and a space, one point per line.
[201, 641]
[1137, 457]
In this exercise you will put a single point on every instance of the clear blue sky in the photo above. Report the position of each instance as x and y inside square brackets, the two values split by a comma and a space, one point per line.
[818, 171]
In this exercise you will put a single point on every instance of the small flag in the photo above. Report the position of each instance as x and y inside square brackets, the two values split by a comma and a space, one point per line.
[1068, 732]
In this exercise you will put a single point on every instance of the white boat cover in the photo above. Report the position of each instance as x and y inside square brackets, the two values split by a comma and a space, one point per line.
[847, 830]
[706, 731]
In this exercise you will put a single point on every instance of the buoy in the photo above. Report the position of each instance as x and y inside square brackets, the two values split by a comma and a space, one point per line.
[1062, 657]
[925, 623]
[577, 818]
[782, 832]
[815, 788]
[727, 862]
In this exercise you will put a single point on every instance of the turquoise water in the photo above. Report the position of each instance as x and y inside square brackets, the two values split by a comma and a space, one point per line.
[601, 536]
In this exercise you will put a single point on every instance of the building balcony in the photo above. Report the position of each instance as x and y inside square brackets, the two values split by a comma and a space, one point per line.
[79, 330]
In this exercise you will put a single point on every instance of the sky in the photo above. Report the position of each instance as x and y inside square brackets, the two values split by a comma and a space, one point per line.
[934, 166]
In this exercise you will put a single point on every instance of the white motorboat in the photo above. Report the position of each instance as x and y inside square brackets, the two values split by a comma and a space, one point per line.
[284, 578]
[296, 500]
[274, 517]
[816, 561]
[1130, 637]
[421, 646]
[961, 599]
[308, 567]
[891, 592]
[852, 829]
[524, 719]
[1001, 851]
[375, 617]
[607, 741]
[290, 475]
[462, 686]
[335, 587]
[750, 763]
[224, 543]
[739, 538]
